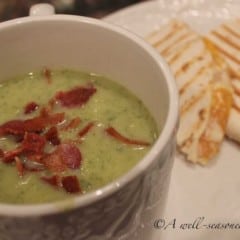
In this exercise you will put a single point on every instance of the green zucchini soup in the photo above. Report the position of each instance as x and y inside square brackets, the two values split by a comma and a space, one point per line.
[65, 133]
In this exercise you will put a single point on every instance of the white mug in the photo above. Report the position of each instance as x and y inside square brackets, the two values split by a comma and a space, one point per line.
[120, 209]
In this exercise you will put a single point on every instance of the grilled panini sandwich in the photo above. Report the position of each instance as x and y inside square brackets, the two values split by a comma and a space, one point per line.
[226, 39]
[204, 89]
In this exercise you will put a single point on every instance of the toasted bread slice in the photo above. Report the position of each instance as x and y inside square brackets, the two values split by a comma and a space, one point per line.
[226, 39]
[204, 89]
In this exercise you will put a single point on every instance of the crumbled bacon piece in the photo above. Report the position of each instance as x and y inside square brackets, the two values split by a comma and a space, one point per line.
[70, 154]
[86, 129]
[48, 119]
[72, 124]
[19, 166]
[30, 107]
[75, 97]
[10, 155]
[66, 155]
[44, 112]
[55, 118]
[14, 127]
[52, 136]
[54, 163]
[54, 180]
[51, 103]
[33, 143]
[1, 153]
[18, 138]
[115, 134]
[48, 109]
[71, 184]
[19, 127]
[52, 119]
[48, 75]
[36, 124]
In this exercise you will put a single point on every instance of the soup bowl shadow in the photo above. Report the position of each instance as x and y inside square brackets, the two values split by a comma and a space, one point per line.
[125, 208]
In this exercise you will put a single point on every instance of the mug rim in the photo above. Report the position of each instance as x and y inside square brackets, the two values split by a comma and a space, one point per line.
[168, 130]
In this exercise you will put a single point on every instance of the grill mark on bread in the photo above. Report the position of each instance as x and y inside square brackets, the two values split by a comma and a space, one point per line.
[193, 69]
[236, 100]
[177, 40]
[192, 101]
[188, 141]
[187, 66]
[176, 27]
[202, 115]
[228, 55]
[222, 47]
[160, 33]
[236, 92]
[202, 63]
[234, 106]
[236, 89]
[233, 68]
[178, 55]
[227, 39]
[231, 30]
[184, 88]
[171, 41]
[171, 53]
[183, 50]
[184, 57]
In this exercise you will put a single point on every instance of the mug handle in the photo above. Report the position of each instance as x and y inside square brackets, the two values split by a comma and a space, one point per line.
[42, 9]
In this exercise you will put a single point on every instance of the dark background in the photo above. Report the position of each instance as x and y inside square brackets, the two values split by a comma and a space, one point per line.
[10, 9]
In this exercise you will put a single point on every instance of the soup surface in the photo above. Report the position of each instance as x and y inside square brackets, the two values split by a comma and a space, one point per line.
[65, 132]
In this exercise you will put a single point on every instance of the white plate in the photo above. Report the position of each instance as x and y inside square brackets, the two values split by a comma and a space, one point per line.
[212, 192]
